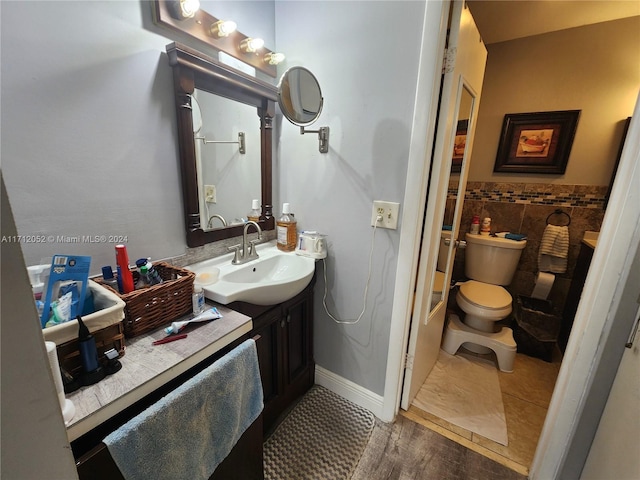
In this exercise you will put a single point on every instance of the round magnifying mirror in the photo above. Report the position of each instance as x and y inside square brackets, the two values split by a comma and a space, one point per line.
[196, 115]
[299, 96]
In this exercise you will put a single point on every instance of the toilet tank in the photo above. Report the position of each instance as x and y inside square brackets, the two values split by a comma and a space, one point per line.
[491, 259]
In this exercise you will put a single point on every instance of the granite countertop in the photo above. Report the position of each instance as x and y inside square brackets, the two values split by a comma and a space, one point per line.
[590, 239]
[146, 367]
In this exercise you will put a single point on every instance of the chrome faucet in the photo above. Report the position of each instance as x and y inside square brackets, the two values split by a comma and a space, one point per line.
[224, 222]
[248, 252]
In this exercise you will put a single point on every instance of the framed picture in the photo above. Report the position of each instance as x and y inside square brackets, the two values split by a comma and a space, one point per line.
[459, 145]
[536, 142]
[625, 130]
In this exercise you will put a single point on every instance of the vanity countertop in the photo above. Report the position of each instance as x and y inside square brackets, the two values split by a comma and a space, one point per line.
[146, 367]
[590, 239]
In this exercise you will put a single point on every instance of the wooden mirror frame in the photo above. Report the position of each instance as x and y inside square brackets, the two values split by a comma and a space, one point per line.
[191, 70]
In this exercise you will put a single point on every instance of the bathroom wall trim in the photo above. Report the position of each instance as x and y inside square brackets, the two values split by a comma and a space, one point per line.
[349, 390]
[585, 196]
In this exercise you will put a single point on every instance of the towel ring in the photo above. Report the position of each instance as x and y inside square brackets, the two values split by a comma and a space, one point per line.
[560, 212]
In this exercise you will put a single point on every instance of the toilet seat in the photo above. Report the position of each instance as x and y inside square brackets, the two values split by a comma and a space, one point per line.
[485, 295]
[483, 304]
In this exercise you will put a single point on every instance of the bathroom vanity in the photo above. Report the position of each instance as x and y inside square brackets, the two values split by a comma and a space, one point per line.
[284, 341]
[587, 246]
[285, 351]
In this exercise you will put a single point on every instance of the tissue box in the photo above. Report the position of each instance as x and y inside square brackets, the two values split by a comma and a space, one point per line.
[105, 324]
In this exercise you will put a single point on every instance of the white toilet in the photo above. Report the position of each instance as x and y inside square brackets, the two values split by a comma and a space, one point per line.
[489, 263]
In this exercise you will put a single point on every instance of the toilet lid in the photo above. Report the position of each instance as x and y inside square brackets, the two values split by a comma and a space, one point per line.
[485, 295]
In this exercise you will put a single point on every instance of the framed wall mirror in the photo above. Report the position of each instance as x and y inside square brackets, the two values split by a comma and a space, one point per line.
[214, 104]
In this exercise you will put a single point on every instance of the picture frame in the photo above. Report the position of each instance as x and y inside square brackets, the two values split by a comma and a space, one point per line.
[536, 142]
[625, 130]
[459, 144]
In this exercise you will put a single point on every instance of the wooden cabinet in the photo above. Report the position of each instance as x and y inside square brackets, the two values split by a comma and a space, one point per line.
[284, 341]
[573, 297]
[285, 351]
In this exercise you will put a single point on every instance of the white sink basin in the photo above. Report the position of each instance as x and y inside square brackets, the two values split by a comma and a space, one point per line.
[268, 280]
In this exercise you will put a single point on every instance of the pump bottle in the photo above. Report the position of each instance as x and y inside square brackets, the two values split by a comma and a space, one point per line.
[286, 230]
[254, 214]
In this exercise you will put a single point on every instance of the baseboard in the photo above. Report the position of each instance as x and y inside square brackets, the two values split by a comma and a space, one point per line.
[349, 390]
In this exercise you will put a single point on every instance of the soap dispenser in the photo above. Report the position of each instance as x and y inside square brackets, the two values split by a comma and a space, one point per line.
[286, 230]
[254, 214]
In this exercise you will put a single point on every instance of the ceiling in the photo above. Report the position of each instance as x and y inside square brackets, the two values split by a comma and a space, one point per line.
[502, 20]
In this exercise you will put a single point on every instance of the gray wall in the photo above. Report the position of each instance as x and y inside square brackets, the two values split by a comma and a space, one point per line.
[89, 143]
[368, 82]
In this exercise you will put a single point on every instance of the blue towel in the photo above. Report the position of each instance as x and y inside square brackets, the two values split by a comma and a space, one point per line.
[188, 433]
[515, 236]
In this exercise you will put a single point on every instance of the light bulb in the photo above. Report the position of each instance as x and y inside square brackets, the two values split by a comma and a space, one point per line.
[251, 45]
[222, 28]
[188, 8]
[274, 58]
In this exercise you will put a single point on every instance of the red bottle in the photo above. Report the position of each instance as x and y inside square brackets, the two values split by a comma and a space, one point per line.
[122, 259]
[475, 225]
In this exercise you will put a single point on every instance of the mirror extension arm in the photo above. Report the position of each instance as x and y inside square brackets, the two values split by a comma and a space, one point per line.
[323, 137]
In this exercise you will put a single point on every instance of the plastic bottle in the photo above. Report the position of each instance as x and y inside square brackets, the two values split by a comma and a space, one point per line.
[153, 277]
[109, 278]
[485, 229]
[254, 214]
[197, 300]
[475, 225]
[126, 277]
[143, 280]
[286, 230]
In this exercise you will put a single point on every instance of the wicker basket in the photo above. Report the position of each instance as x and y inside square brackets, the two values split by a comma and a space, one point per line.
[158, 305]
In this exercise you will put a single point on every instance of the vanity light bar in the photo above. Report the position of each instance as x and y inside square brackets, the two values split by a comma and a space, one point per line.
[215, 33]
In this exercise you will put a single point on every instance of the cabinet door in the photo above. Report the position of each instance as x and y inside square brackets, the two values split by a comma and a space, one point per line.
[269, 328]
[298, 338]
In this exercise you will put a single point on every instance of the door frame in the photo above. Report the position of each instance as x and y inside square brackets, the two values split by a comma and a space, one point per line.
[575, 387]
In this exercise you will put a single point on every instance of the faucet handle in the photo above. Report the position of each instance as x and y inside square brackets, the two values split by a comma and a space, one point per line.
[236, 256]
[252, 247]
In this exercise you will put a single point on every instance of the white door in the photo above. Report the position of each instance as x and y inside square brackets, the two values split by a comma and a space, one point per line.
[460, 98]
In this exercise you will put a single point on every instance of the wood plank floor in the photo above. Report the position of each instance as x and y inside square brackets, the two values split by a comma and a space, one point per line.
[405, 450]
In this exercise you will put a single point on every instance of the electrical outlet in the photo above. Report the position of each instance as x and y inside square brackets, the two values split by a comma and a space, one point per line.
[389, 212]
[210, 194]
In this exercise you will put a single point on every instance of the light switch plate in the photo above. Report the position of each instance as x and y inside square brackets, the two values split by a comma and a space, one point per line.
[389, 212]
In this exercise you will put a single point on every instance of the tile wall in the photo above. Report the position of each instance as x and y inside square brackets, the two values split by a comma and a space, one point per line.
[525, 208]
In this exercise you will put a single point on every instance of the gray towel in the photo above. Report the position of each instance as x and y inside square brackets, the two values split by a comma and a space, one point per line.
[188, 433]
[554, 249]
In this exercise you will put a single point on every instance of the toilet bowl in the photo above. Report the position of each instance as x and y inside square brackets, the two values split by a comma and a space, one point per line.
[490, 263]
[483, 304]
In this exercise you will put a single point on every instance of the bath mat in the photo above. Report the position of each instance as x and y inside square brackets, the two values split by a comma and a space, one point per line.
[321, 439]
[465, 390]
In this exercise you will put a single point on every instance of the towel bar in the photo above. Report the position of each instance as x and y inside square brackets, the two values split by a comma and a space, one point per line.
[560, 212]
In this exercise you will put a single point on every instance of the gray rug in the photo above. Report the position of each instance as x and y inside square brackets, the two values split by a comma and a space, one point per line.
[321, 439]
